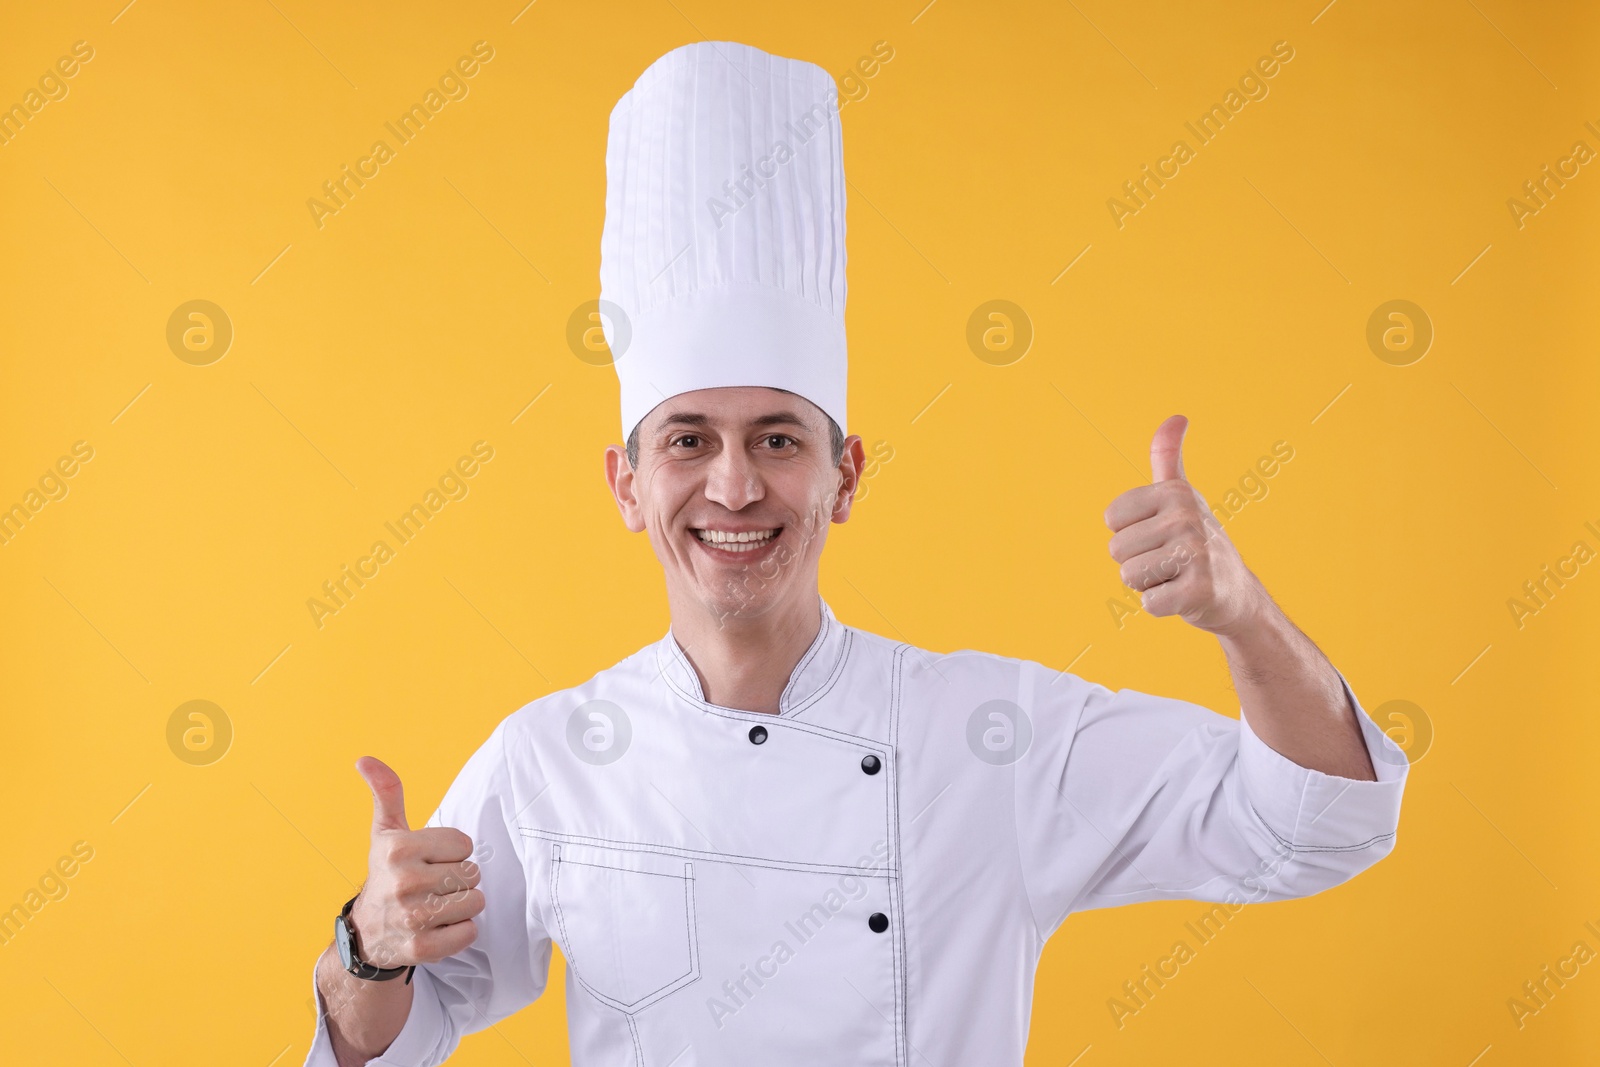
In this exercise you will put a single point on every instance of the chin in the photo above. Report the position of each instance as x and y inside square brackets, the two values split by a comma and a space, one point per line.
[742, 602]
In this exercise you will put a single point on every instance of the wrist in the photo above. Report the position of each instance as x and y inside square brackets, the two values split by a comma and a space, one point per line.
[348, 944]
[1255, 614]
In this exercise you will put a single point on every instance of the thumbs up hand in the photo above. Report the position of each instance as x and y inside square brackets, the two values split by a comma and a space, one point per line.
[421, 891]
[1173, 551]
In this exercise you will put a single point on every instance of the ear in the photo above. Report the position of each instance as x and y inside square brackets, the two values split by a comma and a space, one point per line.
[850, 466]
[619, 476]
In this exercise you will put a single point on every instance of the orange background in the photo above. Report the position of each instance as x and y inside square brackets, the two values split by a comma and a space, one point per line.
[430, 311]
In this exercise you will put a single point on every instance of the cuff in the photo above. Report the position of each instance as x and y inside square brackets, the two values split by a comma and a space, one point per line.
[321, 1054]
[1309, 810]
[412, 1047]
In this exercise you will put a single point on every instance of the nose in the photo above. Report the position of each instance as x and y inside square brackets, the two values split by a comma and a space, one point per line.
[731, 480]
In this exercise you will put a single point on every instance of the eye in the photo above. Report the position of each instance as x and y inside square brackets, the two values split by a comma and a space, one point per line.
[687, 440]
[778, 441]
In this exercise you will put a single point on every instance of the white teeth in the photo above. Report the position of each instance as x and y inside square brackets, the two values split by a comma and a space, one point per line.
[730, 541]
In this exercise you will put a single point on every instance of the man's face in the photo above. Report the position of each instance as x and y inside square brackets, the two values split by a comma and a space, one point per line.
[736, 488]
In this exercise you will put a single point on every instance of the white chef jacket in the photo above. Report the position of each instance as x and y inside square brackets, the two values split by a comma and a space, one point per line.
[874, 882]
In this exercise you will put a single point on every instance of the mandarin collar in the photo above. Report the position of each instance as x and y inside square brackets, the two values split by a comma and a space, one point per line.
[812, 677]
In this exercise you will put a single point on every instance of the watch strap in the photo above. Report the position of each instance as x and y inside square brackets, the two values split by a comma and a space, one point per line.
[358, 966]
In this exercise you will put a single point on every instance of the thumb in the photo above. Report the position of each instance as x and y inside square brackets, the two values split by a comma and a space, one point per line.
[388, 798]
[1166, 449]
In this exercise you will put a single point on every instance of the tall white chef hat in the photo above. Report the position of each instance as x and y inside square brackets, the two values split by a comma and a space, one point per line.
[723, 247]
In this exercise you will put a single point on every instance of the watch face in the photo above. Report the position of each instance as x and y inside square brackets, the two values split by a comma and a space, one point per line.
[341, 937]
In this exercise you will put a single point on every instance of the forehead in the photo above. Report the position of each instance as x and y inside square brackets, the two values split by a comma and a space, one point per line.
[733, 407]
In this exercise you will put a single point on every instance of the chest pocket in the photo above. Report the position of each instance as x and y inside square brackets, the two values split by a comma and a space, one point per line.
[627, 922]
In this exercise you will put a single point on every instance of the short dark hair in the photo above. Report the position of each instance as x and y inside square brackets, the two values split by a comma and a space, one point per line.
[835, 443]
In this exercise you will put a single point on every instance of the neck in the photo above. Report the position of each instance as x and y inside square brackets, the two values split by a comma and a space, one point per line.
[746, 663]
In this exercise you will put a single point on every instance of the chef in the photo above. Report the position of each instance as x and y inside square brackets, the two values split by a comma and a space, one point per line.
[771, 837]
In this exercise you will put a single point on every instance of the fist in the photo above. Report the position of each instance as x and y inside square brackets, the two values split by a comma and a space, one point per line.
[422, 889]
[1172, 549]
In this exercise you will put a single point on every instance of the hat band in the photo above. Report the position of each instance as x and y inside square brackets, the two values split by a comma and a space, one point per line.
[733, 335]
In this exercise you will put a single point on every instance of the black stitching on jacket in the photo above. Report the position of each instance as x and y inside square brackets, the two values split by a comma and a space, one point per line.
[713, 857]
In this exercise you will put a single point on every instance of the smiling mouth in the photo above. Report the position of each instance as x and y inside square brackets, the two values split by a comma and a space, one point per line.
[741, 541]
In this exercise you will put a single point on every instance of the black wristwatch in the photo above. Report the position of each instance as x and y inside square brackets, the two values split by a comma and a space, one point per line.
[344, 935]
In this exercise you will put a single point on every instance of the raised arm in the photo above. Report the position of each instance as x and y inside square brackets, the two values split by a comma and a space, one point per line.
[1173, 551]
[417, 906]
[451, 898]
[1127, 796]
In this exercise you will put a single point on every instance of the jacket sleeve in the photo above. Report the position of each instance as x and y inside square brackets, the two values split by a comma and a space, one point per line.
[506, 966]
[1130, 797]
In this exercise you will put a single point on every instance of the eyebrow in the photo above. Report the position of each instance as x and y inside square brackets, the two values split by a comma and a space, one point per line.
[693, 418]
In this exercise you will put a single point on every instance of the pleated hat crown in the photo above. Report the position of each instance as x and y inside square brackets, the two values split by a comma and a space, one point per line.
[723, 247]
